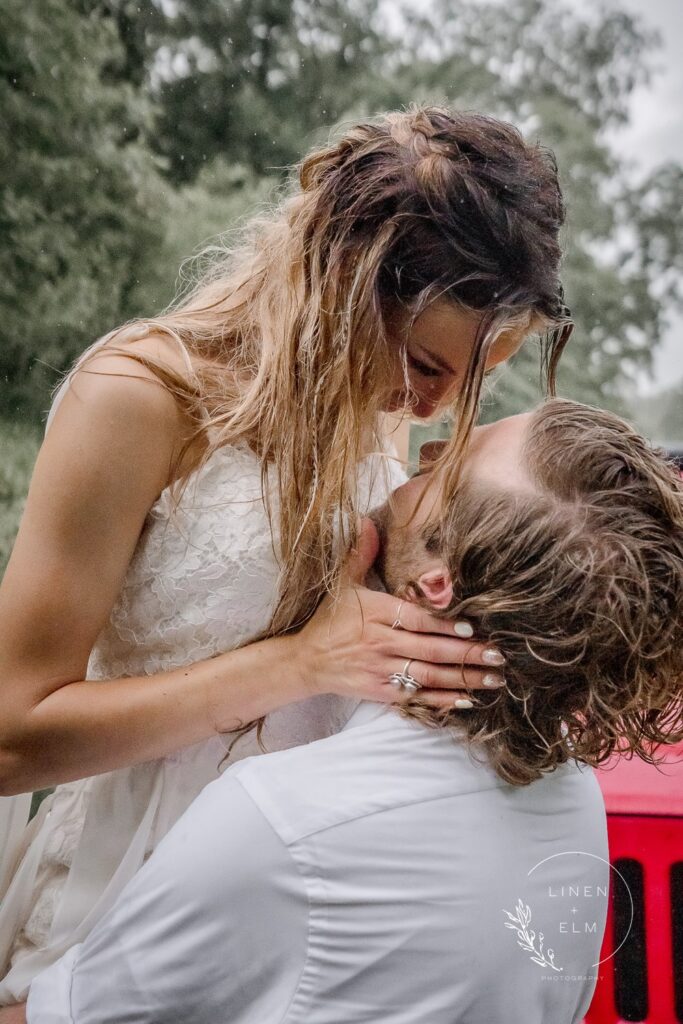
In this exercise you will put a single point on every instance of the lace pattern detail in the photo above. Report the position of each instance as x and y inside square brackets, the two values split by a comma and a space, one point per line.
[203, 577]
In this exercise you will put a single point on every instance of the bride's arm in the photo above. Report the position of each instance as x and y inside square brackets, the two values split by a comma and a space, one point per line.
[105, 459]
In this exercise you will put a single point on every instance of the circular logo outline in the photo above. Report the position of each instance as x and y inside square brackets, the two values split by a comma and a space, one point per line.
[584, 853]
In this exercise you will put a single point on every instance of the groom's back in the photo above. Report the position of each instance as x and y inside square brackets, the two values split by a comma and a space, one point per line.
[378, 876]
[437, 892]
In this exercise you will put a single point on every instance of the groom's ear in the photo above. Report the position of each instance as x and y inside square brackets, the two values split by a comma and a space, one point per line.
[437, 587]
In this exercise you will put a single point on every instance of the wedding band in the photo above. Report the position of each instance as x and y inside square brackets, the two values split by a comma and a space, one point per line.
[396, 624]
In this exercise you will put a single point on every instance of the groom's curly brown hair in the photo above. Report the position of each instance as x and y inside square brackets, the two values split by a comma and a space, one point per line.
[581, 585]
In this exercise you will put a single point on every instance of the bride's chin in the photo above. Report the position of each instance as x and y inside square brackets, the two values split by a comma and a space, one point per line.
[419, 410]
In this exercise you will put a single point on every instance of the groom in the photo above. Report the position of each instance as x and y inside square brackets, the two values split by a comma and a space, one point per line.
[384, 874]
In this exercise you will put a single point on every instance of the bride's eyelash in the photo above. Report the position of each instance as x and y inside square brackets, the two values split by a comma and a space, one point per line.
[423, 368]
[432, 371]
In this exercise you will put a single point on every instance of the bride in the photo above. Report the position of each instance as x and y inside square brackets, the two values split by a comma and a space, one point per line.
[202, 477]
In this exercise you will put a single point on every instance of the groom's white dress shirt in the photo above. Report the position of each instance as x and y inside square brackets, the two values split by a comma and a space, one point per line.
[377, 876]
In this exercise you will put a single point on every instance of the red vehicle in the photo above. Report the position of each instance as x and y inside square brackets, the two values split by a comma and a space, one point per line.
[641, 970]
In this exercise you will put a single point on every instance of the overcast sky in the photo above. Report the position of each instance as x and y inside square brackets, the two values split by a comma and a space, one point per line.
[655, 135]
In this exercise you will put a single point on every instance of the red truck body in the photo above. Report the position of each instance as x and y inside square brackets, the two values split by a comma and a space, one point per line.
[641, 973]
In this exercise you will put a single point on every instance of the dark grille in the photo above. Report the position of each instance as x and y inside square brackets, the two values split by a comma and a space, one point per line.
[630, 963]
[677, 935]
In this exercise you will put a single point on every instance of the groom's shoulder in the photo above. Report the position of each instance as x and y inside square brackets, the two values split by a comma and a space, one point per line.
[380, 764]
[385, 762]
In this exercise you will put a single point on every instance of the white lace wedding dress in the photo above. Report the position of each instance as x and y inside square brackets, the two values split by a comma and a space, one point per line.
[199, 583]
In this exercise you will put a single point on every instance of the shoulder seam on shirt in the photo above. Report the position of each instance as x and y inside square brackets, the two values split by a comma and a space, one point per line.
[250, 778]
[261, 797]
[385, 810]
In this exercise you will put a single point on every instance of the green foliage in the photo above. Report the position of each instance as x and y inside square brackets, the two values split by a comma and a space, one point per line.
[221, 196]
[255, 80]
[82, 202]
[19, 444]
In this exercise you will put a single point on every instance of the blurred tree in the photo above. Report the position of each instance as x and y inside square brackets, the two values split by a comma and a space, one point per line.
[660, 415]
[201, 212]
[82, 203]
[256, 79]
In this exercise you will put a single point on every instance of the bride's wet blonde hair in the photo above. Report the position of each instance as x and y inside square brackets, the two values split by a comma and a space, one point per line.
[287, 323]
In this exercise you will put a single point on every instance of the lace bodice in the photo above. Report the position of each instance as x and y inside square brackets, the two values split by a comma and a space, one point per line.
[203, 577]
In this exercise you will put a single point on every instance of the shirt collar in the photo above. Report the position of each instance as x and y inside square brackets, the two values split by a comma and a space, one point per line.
[366, 711]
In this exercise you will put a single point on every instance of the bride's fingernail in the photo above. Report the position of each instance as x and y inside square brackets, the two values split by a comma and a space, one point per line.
[491, 656]
[462, 702]
[492, 680]
[463, 629]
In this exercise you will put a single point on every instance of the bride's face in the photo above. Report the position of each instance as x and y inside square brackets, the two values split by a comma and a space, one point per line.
[438, 349]
[406, 565]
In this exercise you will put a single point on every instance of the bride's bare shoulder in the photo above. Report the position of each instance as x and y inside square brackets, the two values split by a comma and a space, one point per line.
[118, 401]
[156, 405]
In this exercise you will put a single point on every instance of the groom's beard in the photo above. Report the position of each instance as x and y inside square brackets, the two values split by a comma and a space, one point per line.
[380, 517]
[401, 557]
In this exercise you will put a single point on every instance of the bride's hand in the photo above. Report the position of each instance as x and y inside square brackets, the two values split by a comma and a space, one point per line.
[352, 646]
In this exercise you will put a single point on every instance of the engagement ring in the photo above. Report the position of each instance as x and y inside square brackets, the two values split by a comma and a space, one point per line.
[404, 681]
